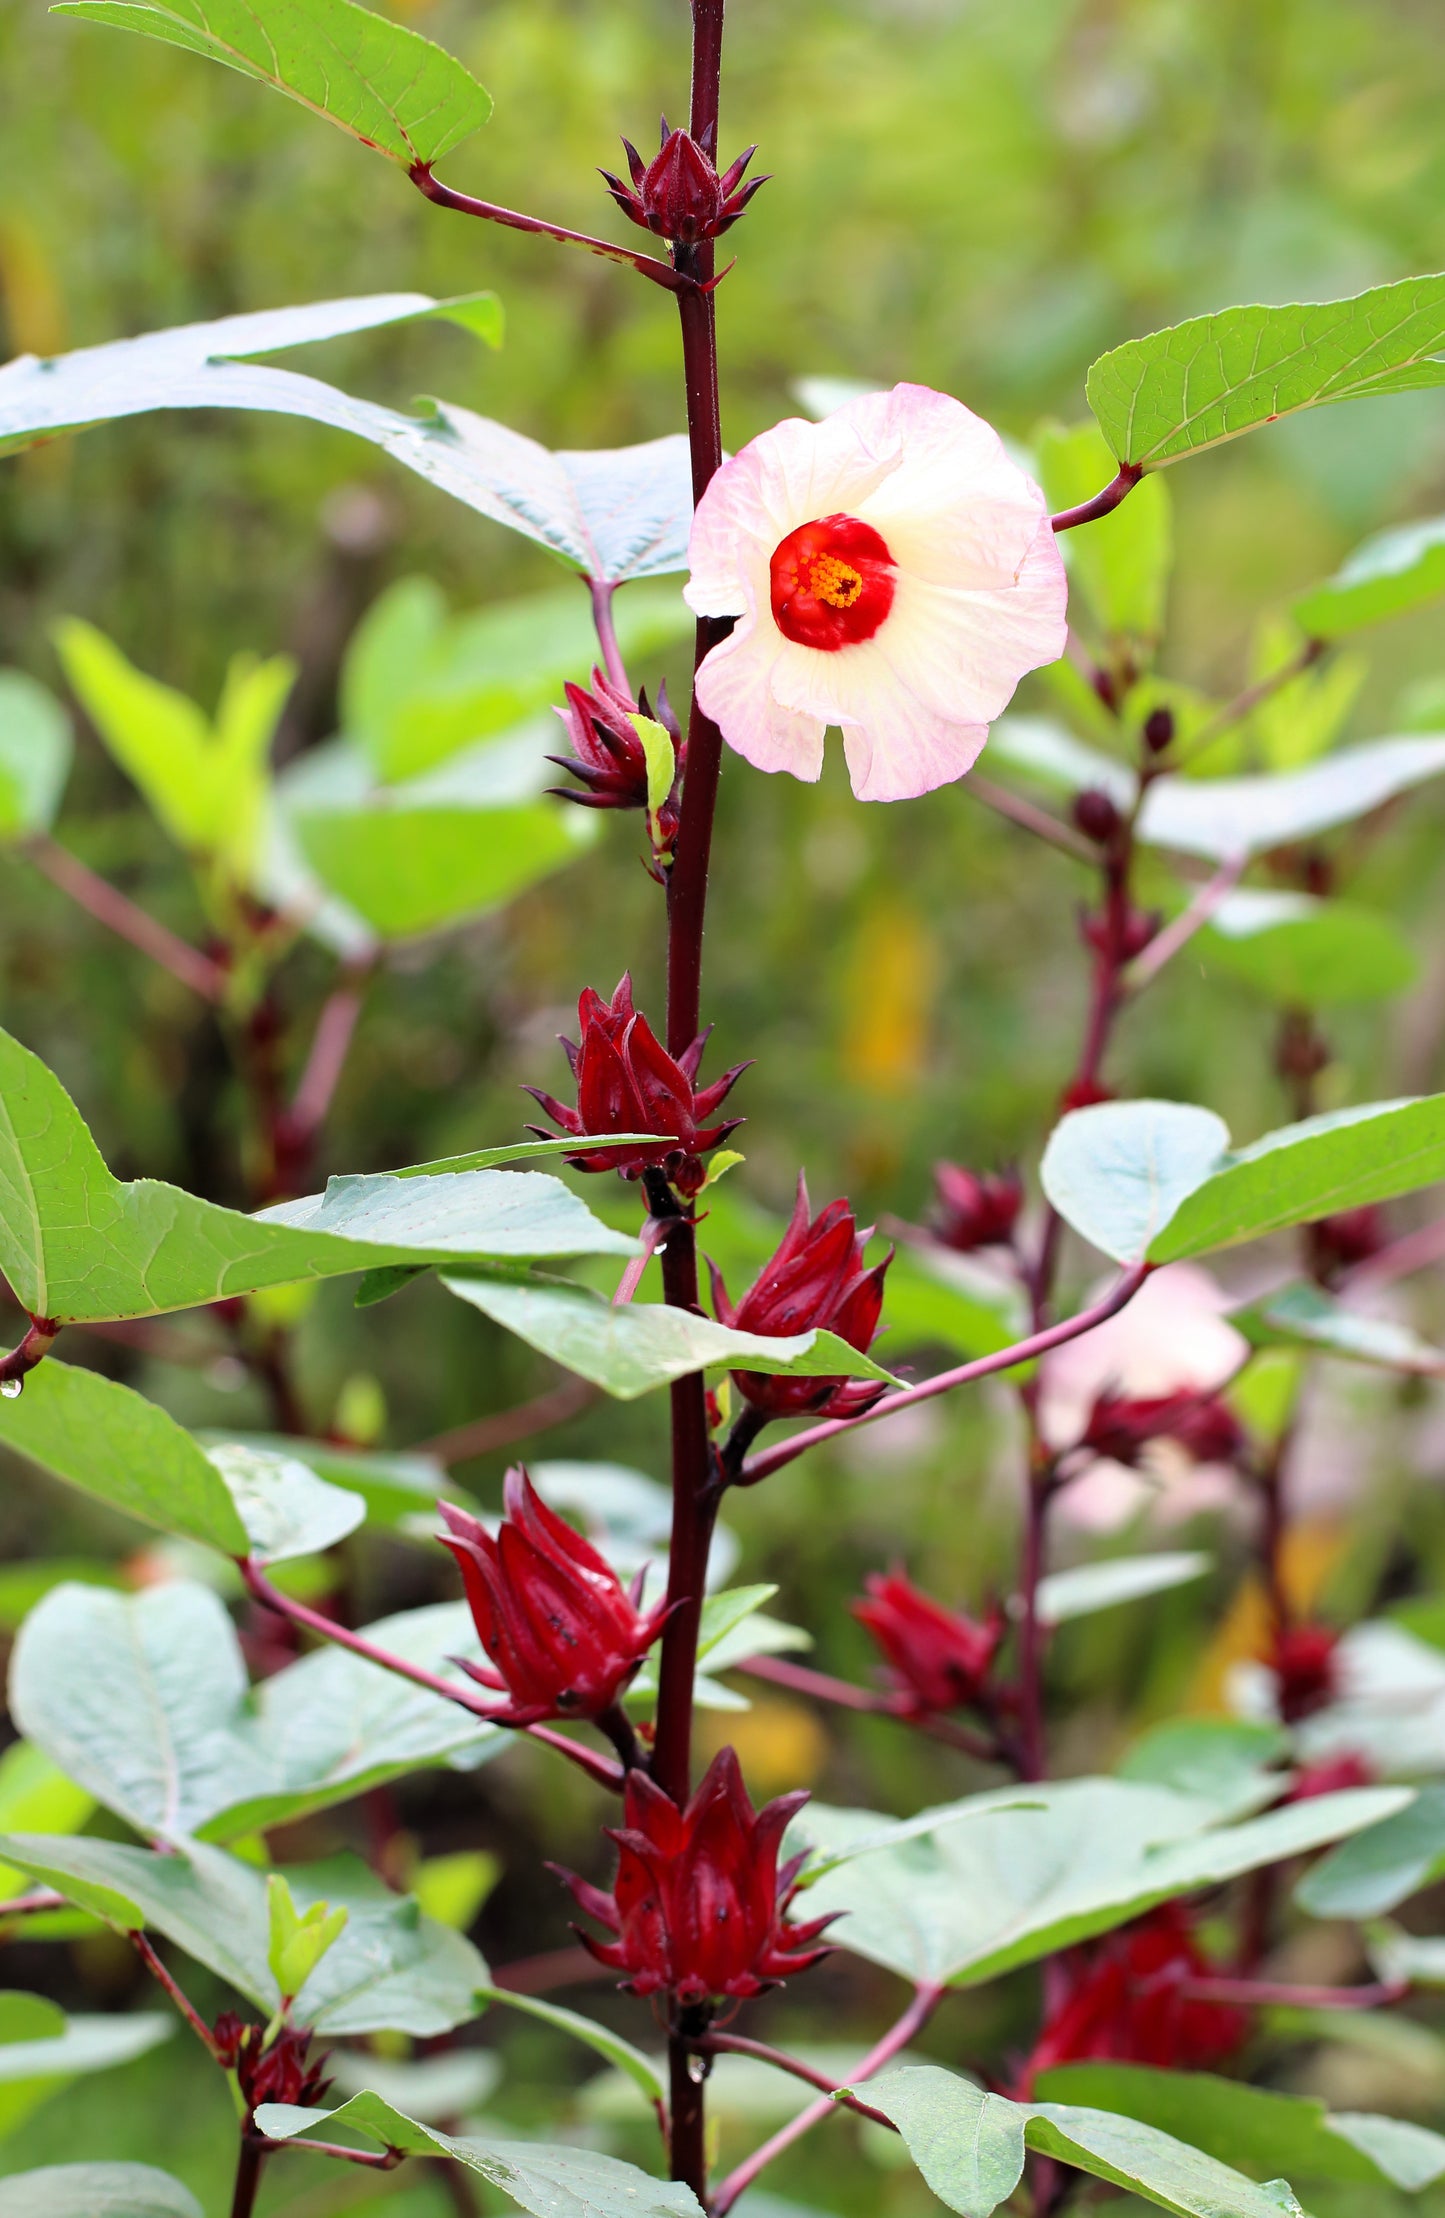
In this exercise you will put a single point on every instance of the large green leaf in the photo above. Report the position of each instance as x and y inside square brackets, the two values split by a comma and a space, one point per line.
[622, 512]
[1087, 1587]
[383, 83]
[1381, 1867]
[545, 2177]
[1179, 391]
[1392, 573]
[1305, 953]
[31, 2071]
[463, 838]
[601, 2039]
[1122, 561]
[1260, 2132]
[394, 1485]
[1157, 1179]
[77, 1244]
[35, 752]
[1228, 1762]
[419, 683]
[629, 1348]
[1303, 1315]
[389, 1968]
[962, 1894]
[96, 2191]
[143, 1700]
[970, 2147]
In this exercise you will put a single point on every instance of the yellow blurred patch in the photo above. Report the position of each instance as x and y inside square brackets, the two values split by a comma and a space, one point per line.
[891, 987]
[780, 1744]
[1311, 1551]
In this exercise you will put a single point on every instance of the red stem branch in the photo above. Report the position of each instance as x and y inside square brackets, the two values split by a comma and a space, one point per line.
[330, 1046]
[40, 1338]
[561, 1402]
[606, 630]
[1101, 503]
[734, 2044]
[178, 1996]
[823, 1687]
[110, 907]
[1283, 1993]
[444, 196]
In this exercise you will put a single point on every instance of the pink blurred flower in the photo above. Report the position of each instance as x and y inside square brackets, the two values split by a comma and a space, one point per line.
[891, 572]
[1172, 1340]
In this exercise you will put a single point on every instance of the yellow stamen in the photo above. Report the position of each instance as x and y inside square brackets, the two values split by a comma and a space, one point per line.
[835, 582]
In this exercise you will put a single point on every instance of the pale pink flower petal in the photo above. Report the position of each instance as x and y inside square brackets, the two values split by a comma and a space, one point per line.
[922, 580]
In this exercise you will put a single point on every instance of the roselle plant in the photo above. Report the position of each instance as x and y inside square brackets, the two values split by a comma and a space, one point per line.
[889, 569]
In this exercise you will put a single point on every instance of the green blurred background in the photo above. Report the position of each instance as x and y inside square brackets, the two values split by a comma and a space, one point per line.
[977, 194]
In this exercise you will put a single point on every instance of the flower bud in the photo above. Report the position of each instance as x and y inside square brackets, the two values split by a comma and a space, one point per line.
[698, 1904]
[551, 1613]
[608, 756]
[627, 1082]
[940, 1658]
[1084, 1093]
[1121, 943]
[975, 1209]
[679, 194]
[817, 1281]
[1096, 815]
[1305, 1663]
[1159, 731]
[1125, 1999]
[1332, 1776]
[298, 1938]
[1122, 1426]
[274, 2072]
[1337, 1244]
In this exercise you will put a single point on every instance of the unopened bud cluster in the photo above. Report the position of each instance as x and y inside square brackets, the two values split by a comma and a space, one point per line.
[679, 194]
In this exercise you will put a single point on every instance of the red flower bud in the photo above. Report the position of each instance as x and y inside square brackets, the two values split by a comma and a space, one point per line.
[976, 1209]
[1337, 1244]
[607, 755]
[627, 1082]
[941, 1659]
[1124, 2001]
[552, 1614]
[1303, 1659]
[1122, 1426]
[817, 1280]
[1159, 731]
[1096, 814]
[1123, 943]
[1332, 1777]
[278, 2073]
[679, 194]
[1084, 1093]
[697, 1906]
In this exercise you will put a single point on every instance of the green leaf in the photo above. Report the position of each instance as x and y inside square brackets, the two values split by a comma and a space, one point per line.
[464, 838]
[394, 1485]
[660, 755]
[1119, 1172]
[619, 513]
[1260, 2132]
[1304, 953]
[77, 1244]
[35, 752]
[962, 1894]
[142, 1699]
[639, 2069]
[544, 2177]
[1157, 1179]
[1381, 1867]
[205, 781]
[298, 1939]
[1225, 817]
[1121, 561]
[382, 83]
[1053, 757]
[453, 1888]
[96, 2191]
[1388, 575]
[286, 1509]
[114, 1444]
[390, 1967]
[36, 1796]
[419, 684]
[436, 2089]
[1088, 1587]
[1179, 391]
[25, 2017]
[630, 1348]
[1226, 1762]
[970, 2147]
[1303, 1315]
[32, 2071]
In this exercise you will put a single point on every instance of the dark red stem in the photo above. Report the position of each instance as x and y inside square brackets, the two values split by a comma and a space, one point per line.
[735, 2044]
[248, 2174]
[177, 1994]
[110, 907]
[565, 1400]
[1284, 1994]
[606, 629]
[823, 1687]
[1102, 503]
[39, 1339]
[661, 273]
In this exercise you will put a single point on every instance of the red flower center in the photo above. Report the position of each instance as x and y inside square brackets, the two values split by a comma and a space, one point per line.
[832, 583]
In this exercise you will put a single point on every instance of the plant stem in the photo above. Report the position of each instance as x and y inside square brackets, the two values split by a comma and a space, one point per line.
[329, 1048]
[110, 907]
[823, 1687]
[606, 630]
[1165, 945]
[1030, 818]
[1284, 1994]
[40, 1338]
[177, 1994]
[561, 1402]
[735, 2044]
[661, 273]
[917, 2015]
[1004, 1359]
[1101, 503]
[248, 2174]
[1032, 1751]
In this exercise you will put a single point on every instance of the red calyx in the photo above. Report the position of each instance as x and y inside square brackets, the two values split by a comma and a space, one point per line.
[817, 1280]
[1337, 1244]
[627, 1082]
[940, 1658]
[1096, 814]
[975, 1209]
[831, 583]
[1332, 1777]
[278, 2073]
[1121, 940]
[1122, 1426]
[1124, 2002]
[679, 194]
[607, 757]
[551, 1613]
[698, 1904]
[1303, 1659]
[1084, 1093]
